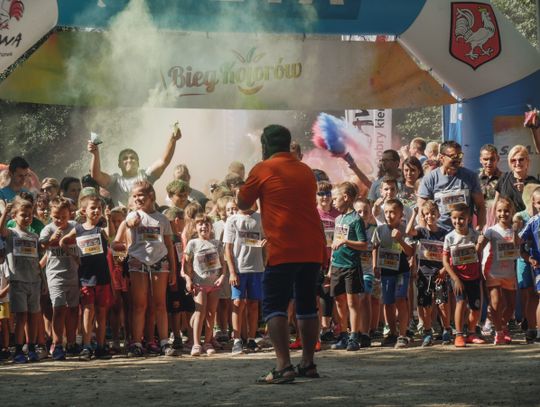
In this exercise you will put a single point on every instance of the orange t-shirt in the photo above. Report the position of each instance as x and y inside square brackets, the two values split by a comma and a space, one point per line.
[287, 191]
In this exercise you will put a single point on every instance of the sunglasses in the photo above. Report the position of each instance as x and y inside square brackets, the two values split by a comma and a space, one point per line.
[455, 157]
[517, 160]
[324, 193]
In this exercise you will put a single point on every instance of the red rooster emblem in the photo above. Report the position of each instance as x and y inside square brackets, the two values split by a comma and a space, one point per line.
[475, 34]
[10, 9]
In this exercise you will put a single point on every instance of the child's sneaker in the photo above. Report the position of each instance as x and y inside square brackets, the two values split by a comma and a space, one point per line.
[446, 337]
[59, 353]
[499, 339]
[389, 340]
[402, 342]
[196, 350]
[20, 358]
[252, 345]
[102, 353]
[177, 344]
[507, 337]
[353, 344]
[73, 350]
[459, 342]
[427, 340]
[33, 356]
[473, 338]
[216, 344]
[86, 354]
[342, 342]
[209, 349]
[530, 336]
[237, 347]
[365, 341]
[168, 350]
[41, 352]
[153, 349]
[135, 351]
[297, 344]
[5, 354]
[327, 336]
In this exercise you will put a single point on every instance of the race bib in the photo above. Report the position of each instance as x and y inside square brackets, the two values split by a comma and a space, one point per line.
[122, 254]
[341, 232]
[179, 250]
[208, 260]
[90, 245]
[430, 250]
[329, 234]
[149, 234]
[506, 250]
[464, 254]
[448, 199]
[25, 247]
[365, 260]
[250, 239]
[388, 259]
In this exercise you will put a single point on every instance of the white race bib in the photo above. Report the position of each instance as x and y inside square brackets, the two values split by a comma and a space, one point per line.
[430, 250]
[90, 245]
[506, 250]
[250, 239]
[388, 259]
[25, 247]
[329, 234]
[464, 254]
[341, 232]
[448, 199]
[208, 260]
[149, 234]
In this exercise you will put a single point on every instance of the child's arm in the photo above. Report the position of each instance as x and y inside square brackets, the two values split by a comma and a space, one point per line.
[188, 271]
[398, 237]
[64, 241]
[483, 240]
[376, 270]
[376, 210]
[4, 291]
[220, 279]
[411, 230]
[229, 257]
[458, 285]
[172, 260]
[43, 261]
[119, 242]
[3, 219]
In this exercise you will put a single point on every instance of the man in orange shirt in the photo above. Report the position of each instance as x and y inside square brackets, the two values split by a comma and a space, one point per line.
[296, 248]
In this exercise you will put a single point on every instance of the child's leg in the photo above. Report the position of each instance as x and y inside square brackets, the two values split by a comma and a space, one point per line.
[126, 309]
[365, 313]
[5, 332]
[253, 317]
[139, 298]
[101, 324]
[223, 312]
[342, 311]
[58, 323]
[402, 305]
[459, 315]
[72, 320]
[159, 291]
[149, 318]
[20, 321]
[211, 308]
[375, 313]
[496, 302]
[444, 312]
[115, 317]
[425, 315]
[198, 316]
[238, 317]
[390, 317]
[509, 297]
[353, 305]
[88, 323]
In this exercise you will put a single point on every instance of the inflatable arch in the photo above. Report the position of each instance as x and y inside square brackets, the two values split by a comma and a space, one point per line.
[468, 46]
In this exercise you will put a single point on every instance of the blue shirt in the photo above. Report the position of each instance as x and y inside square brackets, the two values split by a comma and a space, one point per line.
[447, 190]
[7, 194]
[531, 233]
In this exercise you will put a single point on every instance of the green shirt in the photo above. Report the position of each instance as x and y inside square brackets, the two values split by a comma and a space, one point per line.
[35, 227]
[350, 227]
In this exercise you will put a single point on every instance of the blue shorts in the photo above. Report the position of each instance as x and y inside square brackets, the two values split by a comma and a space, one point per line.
[286, 281]
[536, 273]
[368, 283]
[249, 287]
[524, 274]
[395, 287]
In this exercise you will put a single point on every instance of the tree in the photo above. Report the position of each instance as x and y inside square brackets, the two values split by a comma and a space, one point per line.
[522, 14]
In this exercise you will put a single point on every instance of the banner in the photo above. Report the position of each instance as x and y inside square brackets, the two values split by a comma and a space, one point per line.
[22, 24]
[229, 71]
[374, 136]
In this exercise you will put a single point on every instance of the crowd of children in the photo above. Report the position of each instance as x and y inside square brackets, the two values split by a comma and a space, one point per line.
[82, 278]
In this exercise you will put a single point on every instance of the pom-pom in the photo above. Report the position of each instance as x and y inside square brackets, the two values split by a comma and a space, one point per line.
[330, 133]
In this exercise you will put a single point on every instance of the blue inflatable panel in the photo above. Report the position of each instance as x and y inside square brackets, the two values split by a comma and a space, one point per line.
[362, 17]
[478, 113]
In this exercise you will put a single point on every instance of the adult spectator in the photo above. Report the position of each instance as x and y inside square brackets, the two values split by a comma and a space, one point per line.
[50, 187]
[181, 172]
[432, 150]
[237, 167]
[119, 185]
[511, 183]
[296, 248]
[18, 172]
[451, 184]
[489, 177]
[416, 148]
[388, 166]
[296, 149]
[412, 172]
[70, 187]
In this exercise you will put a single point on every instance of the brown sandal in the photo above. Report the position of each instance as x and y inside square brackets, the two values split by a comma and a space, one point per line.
[285, 375]
[307, 371]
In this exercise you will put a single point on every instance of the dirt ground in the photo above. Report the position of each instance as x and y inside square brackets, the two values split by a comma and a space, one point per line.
[479, 375]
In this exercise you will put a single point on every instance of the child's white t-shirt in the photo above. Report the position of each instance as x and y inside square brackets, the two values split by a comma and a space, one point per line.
[245, 233]
[148, 245]
[502, 253]
[206, 258]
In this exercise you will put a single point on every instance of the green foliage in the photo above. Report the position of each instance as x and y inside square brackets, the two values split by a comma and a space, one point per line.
[424, 122]
[523, 14]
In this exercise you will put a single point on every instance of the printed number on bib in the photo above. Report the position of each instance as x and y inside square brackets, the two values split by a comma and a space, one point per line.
[430, 250]
[208, 260]
[329, 234]
[250, 239]
[25, 247]
[506, 251]
[341, 233]
[149, 234]
[388, 259]
[448, 199]
[463, 254]
[90, 245]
